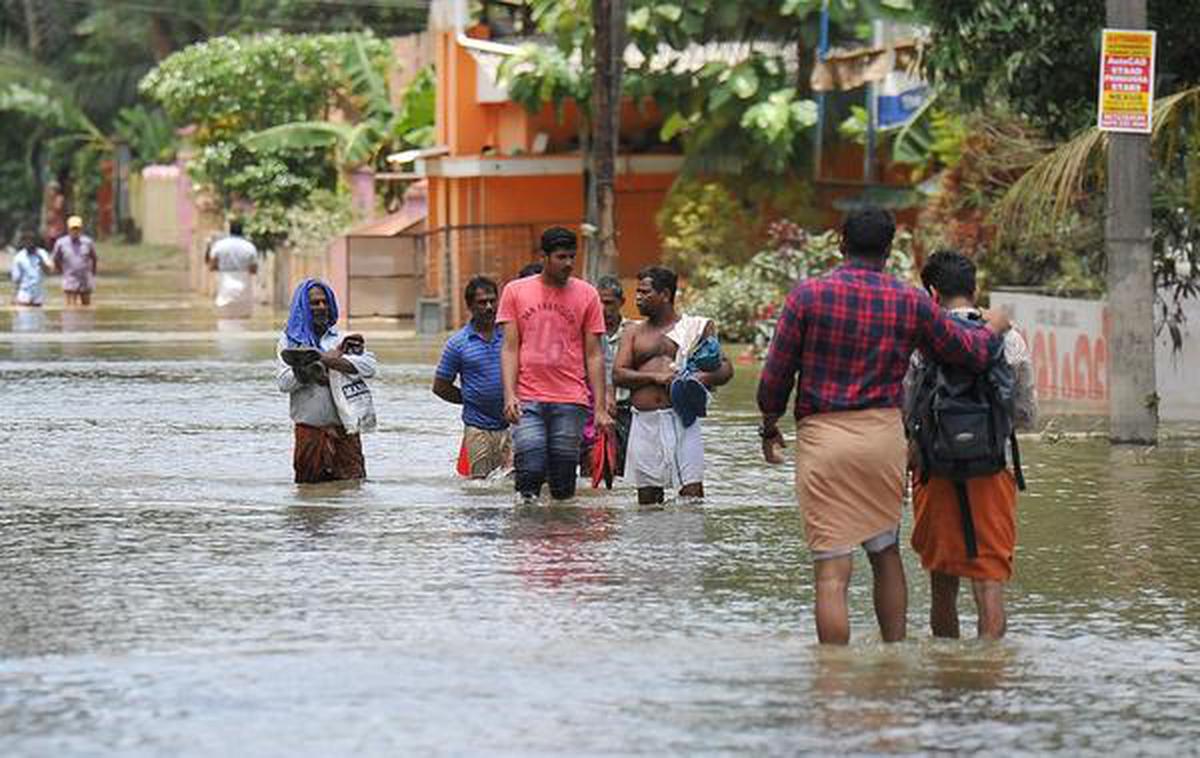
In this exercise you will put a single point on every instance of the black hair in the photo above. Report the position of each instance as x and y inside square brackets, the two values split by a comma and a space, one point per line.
[476, 284]
[868, 232]
[951, 273]
[662, 279]
[558, 238]
[235, 227]
[612, 284]
[530, 269]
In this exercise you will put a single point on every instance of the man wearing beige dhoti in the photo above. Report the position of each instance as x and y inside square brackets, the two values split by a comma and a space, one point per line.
[847, 337]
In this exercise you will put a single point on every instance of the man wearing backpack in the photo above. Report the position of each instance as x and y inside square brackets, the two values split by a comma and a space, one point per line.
[848, 336]
[962, 435]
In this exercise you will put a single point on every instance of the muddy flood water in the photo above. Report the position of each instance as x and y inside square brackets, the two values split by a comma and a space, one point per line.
[166, 590]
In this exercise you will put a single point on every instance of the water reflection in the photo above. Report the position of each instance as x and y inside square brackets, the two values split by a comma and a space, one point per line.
[317, 520]
[78, 320]
[1132, 521]
[233, 339]
[28, 320]
[555, 542]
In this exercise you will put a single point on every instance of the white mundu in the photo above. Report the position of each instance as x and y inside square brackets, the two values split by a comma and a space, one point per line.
[663, 452]
[235, 257]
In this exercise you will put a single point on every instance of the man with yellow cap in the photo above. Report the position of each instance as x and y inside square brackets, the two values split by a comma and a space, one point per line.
[75, 258]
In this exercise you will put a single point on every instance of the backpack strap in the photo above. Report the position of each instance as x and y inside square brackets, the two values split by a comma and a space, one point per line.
[923, 398]
[1016, 452]
[924, 462]
[968, 523]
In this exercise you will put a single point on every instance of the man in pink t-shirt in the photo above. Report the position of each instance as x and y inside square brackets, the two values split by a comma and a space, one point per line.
[552, 351]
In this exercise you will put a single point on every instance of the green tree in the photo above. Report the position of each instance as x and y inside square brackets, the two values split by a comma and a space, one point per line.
[1061, 188]
[230, 87]
[380, 127]
[96, 52]
[1042, 56]
[261, 111]
[730, 78]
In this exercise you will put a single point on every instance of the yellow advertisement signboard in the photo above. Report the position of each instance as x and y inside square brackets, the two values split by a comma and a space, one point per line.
[1127, 81]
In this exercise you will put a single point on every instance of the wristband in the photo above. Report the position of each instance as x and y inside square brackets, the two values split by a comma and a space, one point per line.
[769, 433]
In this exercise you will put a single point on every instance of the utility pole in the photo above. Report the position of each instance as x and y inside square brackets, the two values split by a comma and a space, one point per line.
[1133, 395]
[608, 24]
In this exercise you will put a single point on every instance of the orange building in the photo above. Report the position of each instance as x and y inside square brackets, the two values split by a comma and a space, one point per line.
[500, 175]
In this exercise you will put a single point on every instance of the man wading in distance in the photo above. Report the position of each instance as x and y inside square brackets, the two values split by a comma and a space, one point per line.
[553, 327]
[75, 258]
[847, 337]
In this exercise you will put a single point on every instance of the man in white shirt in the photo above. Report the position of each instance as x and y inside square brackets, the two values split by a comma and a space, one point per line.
[29, 268]
[235, 259]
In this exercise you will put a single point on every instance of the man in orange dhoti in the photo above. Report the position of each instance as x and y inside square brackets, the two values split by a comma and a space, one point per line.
[848, 336]
[976, 537]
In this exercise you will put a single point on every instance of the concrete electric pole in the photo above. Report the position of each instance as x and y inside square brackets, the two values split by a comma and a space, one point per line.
[1133, 397]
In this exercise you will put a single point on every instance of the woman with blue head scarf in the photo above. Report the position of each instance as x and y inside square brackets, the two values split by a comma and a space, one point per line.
[308, 349]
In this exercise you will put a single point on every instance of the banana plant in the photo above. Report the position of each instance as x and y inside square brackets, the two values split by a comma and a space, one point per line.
[33, 92]
[374, 124]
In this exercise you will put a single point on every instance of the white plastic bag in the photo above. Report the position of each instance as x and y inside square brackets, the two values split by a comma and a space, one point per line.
[352, 397]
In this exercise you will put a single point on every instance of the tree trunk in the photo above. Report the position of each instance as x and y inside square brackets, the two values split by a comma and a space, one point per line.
[590, 212]
[1133, 397]
[34, 37]
[160, 37]
[608, 19]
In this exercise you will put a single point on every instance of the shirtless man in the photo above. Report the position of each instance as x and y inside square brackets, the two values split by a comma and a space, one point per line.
[663, 452]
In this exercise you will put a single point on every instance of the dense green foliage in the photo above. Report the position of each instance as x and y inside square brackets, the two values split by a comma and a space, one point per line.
[259, 110]
[19, 199]
[1042, 56]
[83, 59]
[730, 78]
[704, 226]
[229, 87]
[149, 134]
[379, 128]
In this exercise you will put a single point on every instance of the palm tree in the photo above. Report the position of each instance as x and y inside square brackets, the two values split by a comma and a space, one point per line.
[1045, 195]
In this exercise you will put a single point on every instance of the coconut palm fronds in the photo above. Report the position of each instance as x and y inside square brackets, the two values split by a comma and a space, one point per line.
[1046, 194]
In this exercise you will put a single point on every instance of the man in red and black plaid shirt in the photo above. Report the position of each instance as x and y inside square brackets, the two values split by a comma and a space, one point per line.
[848, 336]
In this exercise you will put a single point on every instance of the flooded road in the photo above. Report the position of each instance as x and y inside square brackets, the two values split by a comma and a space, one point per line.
[166, 590]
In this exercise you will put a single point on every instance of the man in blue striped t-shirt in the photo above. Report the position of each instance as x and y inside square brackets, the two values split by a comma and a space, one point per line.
[473, 353]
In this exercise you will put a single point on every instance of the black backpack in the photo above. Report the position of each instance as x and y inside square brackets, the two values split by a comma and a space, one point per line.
[961, 423]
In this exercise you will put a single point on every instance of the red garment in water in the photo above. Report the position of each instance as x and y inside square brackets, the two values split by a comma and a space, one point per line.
[604, 458]
[463, 467]
[326, 454]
